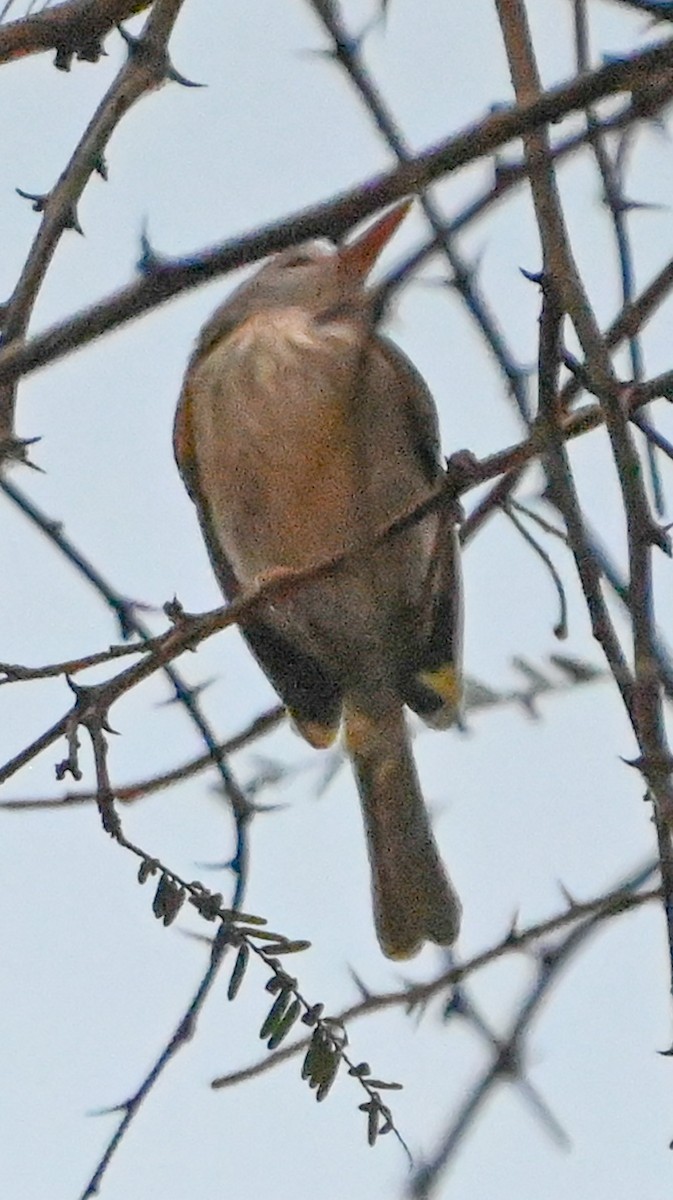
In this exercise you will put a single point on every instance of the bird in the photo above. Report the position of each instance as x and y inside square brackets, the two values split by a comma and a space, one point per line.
[301, 432]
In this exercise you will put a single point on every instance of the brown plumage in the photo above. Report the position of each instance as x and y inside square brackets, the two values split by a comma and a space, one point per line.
[300, 432]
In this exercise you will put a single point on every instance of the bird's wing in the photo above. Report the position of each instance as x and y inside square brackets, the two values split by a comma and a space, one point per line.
[434, 688]
[311, 696]
[419, 411]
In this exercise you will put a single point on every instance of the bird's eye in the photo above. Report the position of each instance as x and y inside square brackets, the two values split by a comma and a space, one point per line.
[301, 259]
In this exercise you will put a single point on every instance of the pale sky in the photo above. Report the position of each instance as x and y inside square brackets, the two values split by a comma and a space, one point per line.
[92, 986]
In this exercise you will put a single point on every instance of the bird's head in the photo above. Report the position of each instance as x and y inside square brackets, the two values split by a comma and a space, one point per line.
[316, 276]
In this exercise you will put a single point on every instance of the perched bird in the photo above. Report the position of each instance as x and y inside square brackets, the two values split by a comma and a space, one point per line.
[300, 433]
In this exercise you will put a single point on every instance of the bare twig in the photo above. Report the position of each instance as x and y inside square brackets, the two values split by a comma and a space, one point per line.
[146, 69]
[163, 280]
[129, 622]
[191, 630]
[641, 691]
[622, 898]
[75, 28]
[611, 171]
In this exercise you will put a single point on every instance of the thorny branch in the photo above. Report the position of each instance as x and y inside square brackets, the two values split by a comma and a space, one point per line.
[75, 28]
[190, 630]
[571, 673]
[146, 68]
[622, 898]
[126, 616]
[507, 1061]
[611, 168]
[162, 279]
[564, 294]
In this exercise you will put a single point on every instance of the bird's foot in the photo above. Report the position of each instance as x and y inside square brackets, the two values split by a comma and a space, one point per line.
[462, 471]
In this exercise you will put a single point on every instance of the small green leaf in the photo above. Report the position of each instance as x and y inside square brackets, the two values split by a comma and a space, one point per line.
[373, 1113]
[285, 1025]
[309, 1059]
[318, 1058]
[242, 959]
[329, 1075]
[173, 902]
[161, 897]
[276, 1013]
[286, 947]
[263, 935]
[147, 867]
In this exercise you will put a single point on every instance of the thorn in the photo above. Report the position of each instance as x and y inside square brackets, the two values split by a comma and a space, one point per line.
[641, 206]
[72, 222]
[131, 40]
[538, 680]
[156, 56]
[309, 52]
[123, 610]
[186, 693]
[658, 536]
[14, 449]
[250, 810]
[204, 865]
[513, 931]
[101, 167]
[480, 695]
[77, 689]
[175, 77]
[575, 669]
[527, 702]
[652, 765]
[149, 261]
[174, 611]
[533, 276]
[457, 1005]
[38, 200]
[364, 991]
[113, 1108]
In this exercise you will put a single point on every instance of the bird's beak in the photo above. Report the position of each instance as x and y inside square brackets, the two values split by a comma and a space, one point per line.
[358, 257]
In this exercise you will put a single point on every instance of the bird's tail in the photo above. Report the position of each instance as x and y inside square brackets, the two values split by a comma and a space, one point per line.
[414, 900]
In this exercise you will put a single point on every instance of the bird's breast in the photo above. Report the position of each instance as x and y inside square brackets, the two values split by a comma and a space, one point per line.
[271, 416]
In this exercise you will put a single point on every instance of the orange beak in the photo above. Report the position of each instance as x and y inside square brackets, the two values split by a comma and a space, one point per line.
[358, 257]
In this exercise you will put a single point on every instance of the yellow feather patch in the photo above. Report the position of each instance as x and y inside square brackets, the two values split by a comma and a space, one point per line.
[446, 683]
